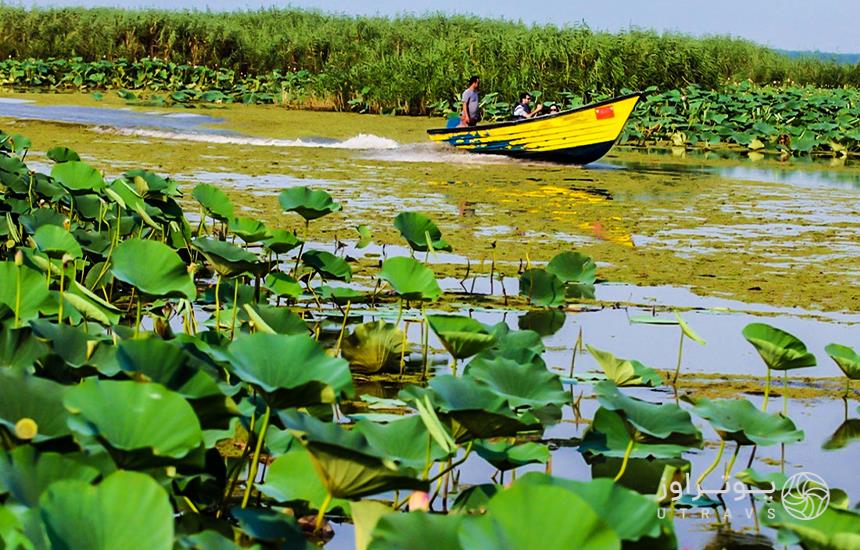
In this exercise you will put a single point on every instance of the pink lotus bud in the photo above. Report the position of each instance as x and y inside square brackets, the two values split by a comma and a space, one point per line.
[419, 500]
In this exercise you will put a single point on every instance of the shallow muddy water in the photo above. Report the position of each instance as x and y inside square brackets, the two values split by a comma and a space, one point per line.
[724, 242]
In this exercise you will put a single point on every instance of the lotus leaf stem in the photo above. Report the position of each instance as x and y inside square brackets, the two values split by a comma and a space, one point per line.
[301, 249]
[680, 354]
[785, 393]
[18, 300]
[712, 466]
[234, 475]
[766, 391]
[137, 318]
[218, 304]
[403, 346]
[454, 366]
[60, 308]
[235, 307]
[342, 328]
[453, 465]
[626, 459]
[731, 465]
[321, 513]
[577, 347]
[191, 505]
[255, 462]
[425, 344]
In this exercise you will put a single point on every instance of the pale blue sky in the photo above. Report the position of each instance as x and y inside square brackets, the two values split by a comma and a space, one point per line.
[824, 25]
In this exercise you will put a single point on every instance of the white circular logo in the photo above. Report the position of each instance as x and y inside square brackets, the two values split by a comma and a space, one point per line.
[805, 496]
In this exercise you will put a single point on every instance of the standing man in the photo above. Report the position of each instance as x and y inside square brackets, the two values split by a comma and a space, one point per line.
[470, 116]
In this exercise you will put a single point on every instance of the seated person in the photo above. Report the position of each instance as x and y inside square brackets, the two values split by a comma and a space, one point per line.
[523, 109]
[553, 109]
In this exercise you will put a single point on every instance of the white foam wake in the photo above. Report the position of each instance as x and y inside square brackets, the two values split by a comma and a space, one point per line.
[359, 142]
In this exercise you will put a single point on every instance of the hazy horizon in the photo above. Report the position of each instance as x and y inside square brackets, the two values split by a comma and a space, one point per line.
[799, 25]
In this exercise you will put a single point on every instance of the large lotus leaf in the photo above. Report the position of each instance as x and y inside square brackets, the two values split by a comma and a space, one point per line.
[846, 358]
[834, 529]
[41, 216]
[522, 346]
[512, 521]
[631, 515]
[418, 531]
[656, 420]
[742, 422]
[473, 410]
[405, 440]
[291, 370]
[282, 320]
[609, 435]
[25, 473]
[542, 288]
[14, 174]
[38, 399]
[307, 203]
[526, 385]
[133, 418]
[625, 372]
[341, 294]
[283, 285]
[348, 467]
[153, 268]
[646, 476]
[127, 510]
[19, 348]
[328, 265]
[847, 432]
[573, 267]
[462, 336]
[778, 349]
[373, 346]
[214, 201]
[34, 294]
[410, 279]
[62, 154]
[149, 184]
[475, 498]
[56, 242]
[122, 193]
[77, 176]
[227, 259]
[248, 229]
[505, 455]
[544, 322]
[68, 342]
[292, 476]
[279, 529]
[167, 364]
[416, 228]
[90, 305]
[281, 241]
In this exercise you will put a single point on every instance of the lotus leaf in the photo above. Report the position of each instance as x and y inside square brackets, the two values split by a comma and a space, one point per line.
[461, 336]
[740, 421]
[39, 217]
[308, 203]
[418, 531]
[834, 529]
[150, 184]
[778, 349]
[153, 268]
[846, 358]
[167, 364]
[544, 322]
[283, 285]
[542, 288]
[625, 372]
[270, 526]
[609, 435]
[348, 467]
[214, 201]
[227, 259]
[528, 385]
[68, 342]
[291, 370]
[281, 320]
[281, 241]
[846, 433]
[404, 439]
[328, 265]
[23, 396]
[25, 473]
[512, 520]
[364, 237]
[56, 242]
[341, 294]
[373, 346]
[522, 346]
[77, 177]
[90, 305]
[504, 455]
[573, 267]
[248, 229]
[127, 510]
[134, 420]
[19, 348]
[417, 228]
[292, 476]
[62, 154]
[646, 476]
[410, 279]
[475, 498]
[34, 294]
[657, 420]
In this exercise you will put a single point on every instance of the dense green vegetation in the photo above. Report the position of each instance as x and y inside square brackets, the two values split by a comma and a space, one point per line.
[407, 64]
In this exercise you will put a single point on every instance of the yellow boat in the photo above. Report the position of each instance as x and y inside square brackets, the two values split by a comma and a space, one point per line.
[576, 136]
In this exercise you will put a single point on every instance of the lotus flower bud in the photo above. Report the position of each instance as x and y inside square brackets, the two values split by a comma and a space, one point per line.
[10, 244]
[419, 501]
[19, 258]
[67, 223]
[67, 258]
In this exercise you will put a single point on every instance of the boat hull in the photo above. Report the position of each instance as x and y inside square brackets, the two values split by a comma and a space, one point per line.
[577, 136]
